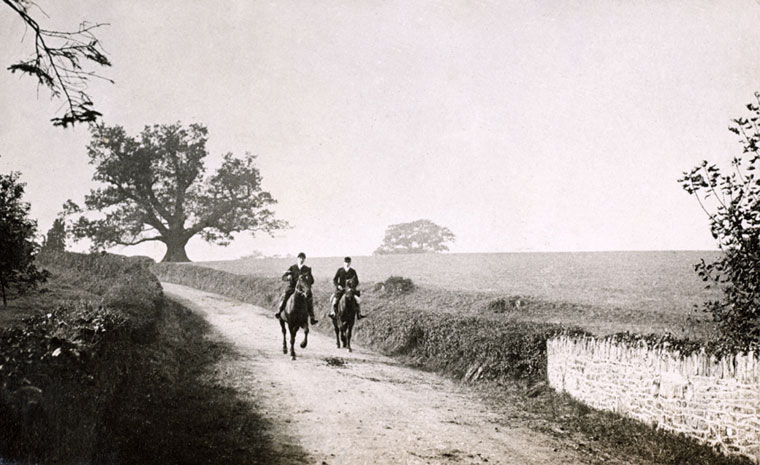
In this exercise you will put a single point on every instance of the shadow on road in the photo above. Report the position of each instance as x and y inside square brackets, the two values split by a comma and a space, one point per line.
[175, 409]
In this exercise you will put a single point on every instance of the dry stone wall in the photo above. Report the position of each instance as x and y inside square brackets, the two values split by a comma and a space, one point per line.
[714, 400]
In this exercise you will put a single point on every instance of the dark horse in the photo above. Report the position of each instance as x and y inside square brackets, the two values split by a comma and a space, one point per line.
[296, 315]
[345, 316]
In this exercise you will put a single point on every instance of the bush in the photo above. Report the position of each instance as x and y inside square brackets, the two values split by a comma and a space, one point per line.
[732, 202]
[506, 304]
[396, 285]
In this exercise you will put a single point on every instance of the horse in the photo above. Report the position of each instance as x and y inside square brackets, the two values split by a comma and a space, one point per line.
[296, 315]
[345, 316]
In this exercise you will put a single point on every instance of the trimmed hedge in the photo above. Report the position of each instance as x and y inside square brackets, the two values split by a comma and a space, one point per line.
[264, 292]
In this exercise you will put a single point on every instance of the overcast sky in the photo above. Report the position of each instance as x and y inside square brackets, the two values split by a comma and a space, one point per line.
[551, 126]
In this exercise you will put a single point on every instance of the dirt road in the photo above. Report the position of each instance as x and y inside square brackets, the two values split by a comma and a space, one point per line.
[360, 407]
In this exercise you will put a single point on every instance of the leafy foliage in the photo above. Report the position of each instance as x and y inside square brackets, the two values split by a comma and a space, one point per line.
[59, 63]
[396, 285]
[154, 189]
[732, 202]
[421, 236]
[18, 271]
[506, 304]
[61, 368]
[55, 239]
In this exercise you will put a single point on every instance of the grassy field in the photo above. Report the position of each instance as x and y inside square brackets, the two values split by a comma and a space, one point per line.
[608, 292]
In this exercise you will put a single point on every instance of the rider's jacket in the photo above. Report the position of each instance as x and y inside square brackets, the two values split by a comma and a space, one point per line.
[293, 272]
[341, 276]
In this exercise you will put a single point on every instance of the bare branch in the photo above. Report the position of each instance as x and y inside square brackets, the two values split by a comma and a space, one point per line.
[56, 64]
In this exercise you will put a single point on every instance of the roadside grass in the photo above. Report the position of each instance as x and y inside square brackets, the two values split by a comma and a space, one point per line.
[175, 407]
[600, 435]
[477, 337]
[101, 369]
[61, 362]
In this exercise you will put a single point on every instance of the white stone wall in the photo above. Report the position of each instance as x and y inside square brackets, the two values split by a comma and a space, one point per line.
[714, 400]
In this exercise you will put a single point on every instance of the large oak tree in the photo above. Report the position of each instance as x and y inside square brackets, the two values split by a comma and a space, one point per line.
[154, 188]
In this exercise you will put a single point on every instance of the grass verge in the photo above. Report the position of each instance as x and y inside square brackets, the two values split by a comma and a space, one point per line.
[176, 408]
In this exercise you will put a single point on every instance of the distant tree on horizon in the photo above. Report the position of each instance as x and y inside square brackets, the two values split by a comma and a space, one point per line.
[18, 251]
[732, 202]
[421, 236]
[154, 188]
[55, 239]
[59, 63]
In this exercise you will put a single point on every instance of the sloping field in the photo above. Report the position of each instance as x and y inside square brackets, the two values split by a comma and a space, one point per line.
[648, 281]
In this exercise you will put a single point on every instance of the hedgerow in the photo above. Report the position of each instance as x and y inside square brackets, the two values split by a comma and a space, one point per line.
[264, 292]
[60, 368]
[467, 344]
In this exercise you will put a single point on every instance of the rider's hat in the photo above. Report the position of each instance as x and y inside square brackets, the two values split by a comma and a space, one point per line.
[301, 255]
[347, 259]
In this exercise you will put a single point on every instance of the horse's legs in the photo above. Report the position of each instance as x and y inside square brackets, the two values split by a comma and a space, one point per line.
[337, 333]
[305, 337]
[293, 331]
[349, 330]
[284, 343]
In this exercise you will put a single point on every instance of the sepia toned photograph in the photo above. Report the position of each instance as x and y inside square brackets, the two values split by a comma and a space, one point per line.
[380, 232]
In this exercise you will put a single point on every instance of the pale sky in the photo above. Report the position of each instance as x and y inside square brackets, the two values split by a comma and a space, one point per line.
[547, 126]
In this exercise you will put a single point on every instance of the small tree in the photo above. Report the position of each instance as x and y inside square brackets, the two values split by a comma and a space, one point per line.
[55, 239]
[732, 202]
[421, 236]
[18, 272]
[154, 188]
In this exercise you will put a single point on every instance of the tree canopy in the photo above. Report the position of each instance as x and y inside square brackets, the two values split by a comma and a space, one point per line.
[421, 236]
[732, 202]
[154, 188]
[61, 62]
[18, 272]
[55, 239]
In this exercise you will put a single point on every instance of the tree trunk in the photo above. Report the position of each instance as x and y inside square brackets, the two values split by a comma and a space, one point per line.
[175, 251]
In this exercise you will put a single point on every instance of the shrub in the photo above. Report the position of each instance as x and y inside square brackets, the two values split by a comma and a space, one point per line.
[396, 285]
[732, 202]
[506, 304]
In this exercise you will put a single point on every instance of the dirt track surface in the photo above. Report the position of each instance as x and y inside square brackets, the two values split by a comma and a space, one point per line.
[359, 407]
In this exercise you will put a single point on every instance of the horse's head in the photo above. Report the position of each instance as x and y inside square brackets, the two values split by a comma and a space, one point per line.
[350, 288]
[302, 286]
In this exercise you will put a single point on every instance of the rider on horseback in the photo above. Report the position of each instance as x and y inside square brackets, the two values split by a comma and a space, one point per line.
[343, 277]
[292, 277]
